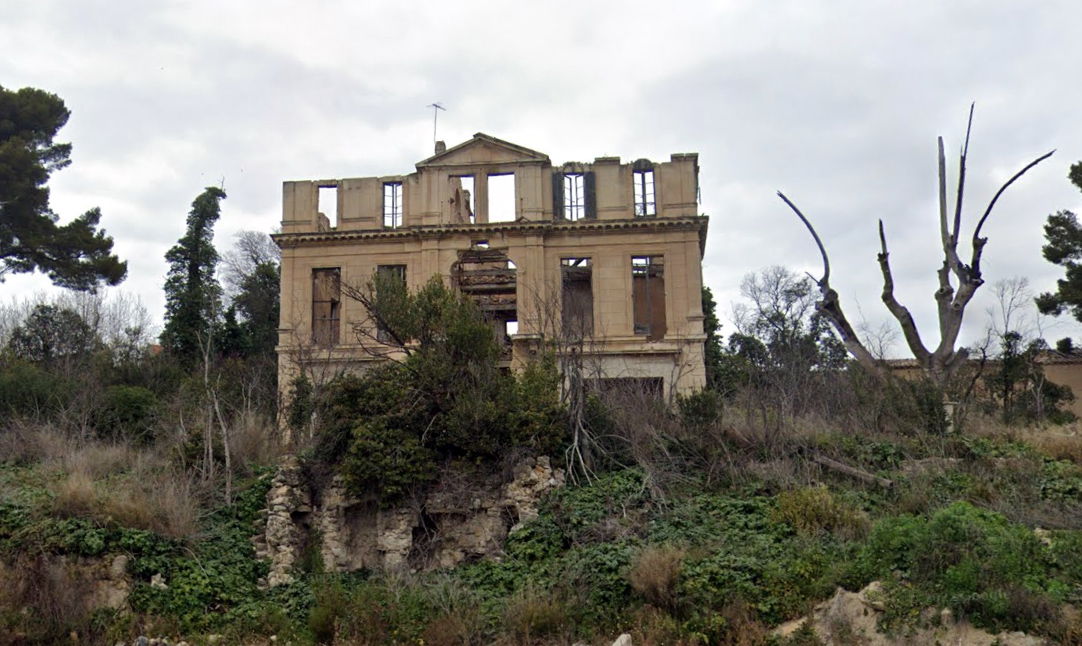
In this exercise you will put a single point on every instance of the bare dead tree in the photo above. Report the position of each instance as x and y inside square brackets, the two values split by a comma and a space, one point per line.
[940, 363]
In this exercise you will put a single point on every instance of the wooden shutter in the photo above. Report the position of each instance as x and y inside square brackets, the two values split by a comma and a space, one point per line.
[557, 195]
[589, 184]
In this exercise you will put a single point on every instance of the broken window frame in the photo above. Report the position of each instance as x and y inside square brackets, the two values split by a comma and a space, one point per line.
[648, 310]
[574, 196]
[392, 205]
[576, 309]
[326, 306]
[642, 180]
[589, 193]
[398, 271]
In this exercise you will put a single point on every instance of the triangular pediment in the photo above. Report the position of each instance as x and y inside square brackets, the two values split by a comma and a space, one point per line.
[484, 150]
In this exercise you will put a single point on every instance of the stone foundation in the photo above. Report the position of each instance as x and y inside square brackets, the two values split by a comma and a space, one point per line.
[455, 523]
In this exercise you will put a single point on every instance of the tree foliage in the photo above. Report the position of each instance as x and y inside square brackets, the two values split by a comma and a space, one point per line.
[778, 327]
[76, 255]
[1063, 235]
[446, 397]
[51, 333]
[192, 293]
[712, 351]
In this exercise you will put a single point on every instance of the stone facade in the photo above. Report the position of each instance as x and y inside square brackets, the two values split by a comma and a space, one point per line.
[606, 253]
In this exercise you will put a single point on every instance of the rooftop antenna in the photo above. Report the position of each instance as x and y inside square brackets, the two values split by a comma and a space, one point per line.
[436, 107]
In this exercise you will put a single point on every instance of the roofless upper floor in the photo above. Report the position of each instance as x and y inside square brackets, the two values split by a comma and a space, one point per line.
[485, 181]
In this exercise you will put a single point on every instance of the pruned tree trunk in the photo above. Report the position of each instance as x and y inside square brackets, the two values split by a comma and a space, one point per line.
[939, 364]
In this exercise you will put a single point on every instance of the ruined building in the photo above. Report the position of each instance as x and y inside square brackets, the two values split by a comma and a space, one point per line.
[603, 258]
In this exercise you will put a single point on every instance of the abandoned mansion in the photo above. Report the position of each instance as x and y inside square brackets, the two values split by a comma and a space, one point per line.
[604, 256]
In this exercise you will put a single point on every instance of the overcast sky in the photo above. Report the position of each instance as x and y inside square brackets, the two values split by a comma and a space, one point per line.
[838, 103]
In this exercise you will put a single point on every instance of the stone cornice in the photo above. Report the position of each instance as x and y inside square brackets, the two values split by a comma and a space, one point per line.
[546, 228]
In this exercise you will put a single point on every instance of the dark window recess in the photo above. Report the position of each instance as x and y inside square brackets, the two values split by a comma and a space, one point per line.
[326, 306]
[574, 196]
[630, 389]
[645, 202]
[578, 298]
[648, 296]
[392, 205]
[386, 273]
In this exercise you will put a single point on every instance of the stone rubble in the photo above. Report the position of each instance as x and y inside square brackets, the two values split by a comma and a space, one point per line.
[851, 618]
[281, 539]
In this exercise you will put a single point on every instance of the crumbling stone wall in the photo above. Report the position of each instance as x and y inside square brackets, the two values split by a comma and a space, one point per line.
[452, 525]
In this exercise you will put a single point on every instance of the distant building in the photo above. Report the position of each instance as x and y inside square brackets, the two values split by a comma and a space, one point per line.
[1060, 368]
[605, 253]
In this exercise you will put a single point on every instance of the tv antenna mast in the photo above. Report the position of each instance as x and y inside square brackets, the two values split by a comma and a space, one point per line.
[436, 107]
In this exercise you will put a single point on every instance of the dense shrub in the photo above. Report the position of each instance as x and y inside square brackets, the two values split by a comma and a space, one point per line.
[811, 510]
[384, 431]
[27, 390]
[127, 413]
[996, 573]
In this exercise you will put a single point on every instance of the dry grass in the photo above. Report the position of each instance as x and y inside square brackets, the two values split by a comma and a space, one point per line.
[254, 439]
[42, 602]
[24, 442]
[655, 627]
[1062, 443]
[117, 483]
[533, 616]
[655, 573]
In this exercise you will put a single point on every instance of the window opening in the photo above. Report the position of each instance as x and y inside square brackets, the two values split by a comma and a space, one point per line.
[328, 205]
[384, 275]
[392, 205]
[574, 196]
[645, 204]
[326, 306]
[577, 292]
[648, 296]
[462, 200]
[510, 328]
[630, 389]
[501, 198]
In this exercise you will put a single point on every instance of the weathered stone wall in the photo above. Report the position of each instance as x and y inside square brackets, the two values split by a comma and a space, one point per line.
[455, 523]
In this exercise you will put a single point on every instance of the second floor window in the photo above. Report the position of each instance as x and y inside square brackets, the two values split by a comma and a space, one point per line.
[645, 203]
[648, 296]
[392, 205]
[388, 277]
[577, 292]
[326, 306]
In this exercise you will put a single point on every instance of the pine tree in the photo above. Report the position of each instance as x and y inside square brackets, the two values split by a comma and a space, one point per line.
[76, 255]
[1063, 234]
[192, 293]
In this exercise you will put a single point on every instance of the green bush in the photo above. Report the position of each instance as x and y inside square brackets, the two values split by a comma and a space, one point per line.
[386, 461]
[127, 413]
[700, 409]
[998, 574]
[27, 390]
[811, 510]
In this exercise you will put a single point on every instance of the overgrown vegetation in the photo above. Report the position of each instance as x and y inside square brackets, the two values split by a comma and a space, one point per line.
[708, 519]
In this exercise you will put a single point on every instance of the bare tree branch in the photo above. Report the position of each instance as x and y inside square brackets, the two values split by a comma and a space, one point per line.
[900, 312]
[962, 177]
[978, 241]
[830, 307]
[822, 251]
